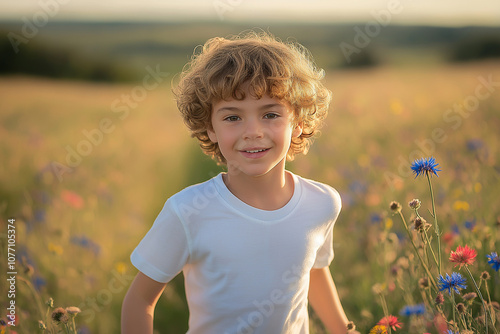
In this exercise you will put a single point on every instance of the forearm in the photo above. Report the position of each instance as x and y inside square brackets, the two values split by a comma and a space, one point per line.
[139, 305]
[137, 316]
[325, 301]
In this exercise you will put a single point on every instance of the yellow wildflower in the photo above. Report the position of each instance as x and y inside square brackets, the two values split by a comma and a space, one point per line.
[121, 267]
[56, 249]
[461, 205]
[378, 329]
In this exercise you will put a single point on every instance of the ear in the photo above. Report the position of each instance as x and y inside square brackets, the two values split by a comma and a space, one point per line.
[212, 135]
[297, 131]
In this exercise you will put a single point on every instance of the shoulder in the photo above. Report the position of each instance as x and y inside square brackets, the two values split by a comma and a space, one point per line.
[195, 197]
[318, 188]
[320, 193]
[204, 189]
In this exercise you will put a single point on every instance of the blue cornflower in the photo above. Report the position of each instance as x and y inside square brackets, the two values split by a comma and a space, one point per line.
[85, 242]
[474, 144]
[456, 281]
[39, 283]
[39, 215]
[408, 310]
[494, 260]
[470, 224]
[425, 166]
[375, 218]
[451, 332]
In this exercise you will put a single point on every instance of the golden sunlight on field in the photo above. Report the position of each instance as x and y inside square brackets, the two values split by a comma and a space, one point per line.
[86, 167]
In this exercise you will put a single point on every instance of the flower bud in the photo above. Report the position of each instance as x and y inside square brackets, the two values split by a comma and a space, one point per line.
[420, 224]
[395, 206]
[60, 315]
[485, 275]
[73, 310]
[439, 299]
[423, 282]
[469, 296]
[415, 204]
[351, 326]
[41, 325]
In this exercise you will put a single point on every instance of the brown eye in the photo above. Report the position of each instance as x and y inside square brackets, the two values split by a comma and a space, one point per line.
[231, 118]
[271, 116]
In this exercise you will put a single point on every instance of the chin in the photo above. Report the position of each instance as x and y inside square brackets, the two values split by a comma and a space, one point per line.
[257, 172]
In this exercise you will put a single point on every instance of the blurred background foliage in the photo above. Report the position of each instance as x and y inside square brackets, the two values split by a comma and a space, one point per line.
[119, 51]
[77, 224]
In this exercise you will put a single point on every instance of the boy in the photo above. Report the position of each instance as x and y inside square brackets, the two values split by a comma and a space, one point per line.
[254, 243]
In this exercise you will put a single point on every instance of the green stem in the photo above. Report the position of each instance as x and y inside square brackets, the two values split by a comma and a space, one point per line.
[486, 310]
[74, 325]
[48, 323]
[35, 295]
[436, 226]
[430, 247]
[493, 320]
[454, 307]
[417, 252]
[463, 320]
[385, 309]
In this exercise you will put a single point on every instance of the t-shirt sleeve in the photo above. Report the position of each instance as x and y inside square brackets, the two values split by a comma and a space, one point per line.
[325, 254]
[164, 251]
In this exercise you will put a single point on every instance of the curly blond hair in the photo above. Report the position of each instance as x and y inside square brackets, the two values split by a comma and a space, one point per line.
[281, 70]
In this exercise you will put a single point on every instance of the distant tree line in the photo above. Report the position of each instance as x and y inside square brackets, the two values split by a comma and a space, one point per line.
[476, 48]
[472, 48]
[39, 60]
[34, 58]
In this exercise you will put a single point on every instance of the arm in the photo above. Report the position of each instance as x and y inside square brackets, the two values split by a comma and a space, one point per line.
[325, 301]
[139, 305]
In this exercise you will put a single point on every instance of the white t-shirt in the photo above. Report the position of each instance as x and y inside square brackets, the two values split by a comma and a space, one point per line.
[246, 270]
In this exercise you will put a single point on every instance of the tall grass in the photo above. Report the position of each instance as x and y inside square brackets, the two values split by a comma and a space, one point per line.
[75, 230]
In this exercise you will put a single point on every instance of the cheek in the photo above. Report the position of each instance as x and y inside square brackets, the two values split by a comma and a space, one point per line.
[225, 138]
[284, 131]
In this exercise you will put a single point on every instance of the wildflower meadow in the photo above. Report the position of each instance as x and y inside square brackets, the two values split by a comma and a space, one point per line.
[413, 151]
[442, 300]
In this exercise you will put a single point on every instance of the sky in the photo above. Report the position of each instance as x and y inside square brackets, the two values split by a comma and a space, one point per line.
[427, 12]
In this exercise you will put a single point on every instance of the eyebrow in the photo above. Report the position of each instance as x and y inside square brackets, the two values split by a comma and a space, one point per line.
[236, 109]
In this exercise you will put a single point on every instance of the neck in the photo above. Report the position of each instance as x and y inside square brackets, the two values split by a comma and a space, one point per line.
[270, 191]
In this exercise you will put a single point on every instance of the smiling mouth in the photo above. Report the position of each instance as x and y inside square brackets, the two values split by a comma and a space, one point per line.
[256, 151]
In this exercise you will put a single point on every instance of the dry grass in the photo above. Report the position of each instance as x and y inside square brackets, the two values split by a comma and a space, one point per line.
[119, 186]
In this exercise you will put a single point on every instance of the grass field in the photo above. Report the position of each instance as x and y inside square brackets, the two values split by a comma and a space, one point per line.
[86, 168]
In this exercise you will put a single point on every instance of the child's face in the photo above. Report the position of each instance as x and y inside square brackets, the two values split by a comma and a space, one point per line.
[253, 135]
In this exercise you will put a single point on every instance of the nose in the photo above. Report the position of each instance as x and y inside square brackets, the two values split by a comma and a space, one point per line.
[253, 129]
